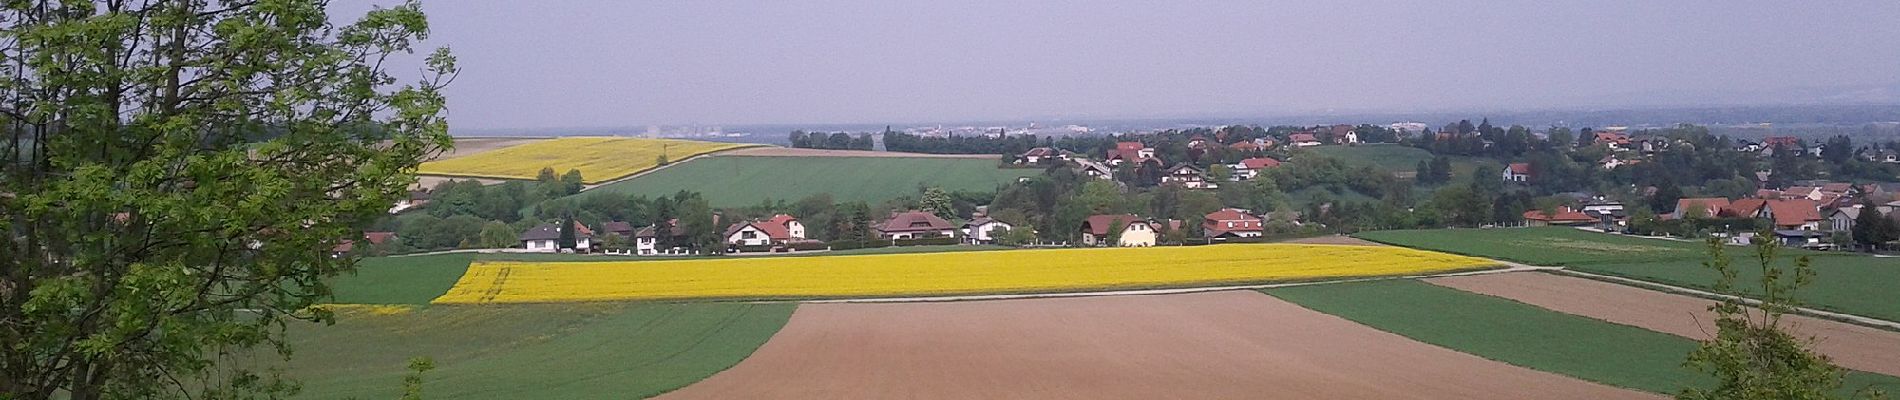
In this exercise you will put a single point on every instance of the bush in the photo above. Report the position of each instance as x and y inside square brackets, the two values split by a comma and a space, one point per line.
[853, 244]
[808, 245]
[928, 241]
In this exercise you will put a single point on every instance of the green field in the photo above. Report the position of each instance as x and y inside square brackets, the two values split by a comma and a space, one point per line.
[736, 181]
[551, 351]
[400, 280]
[1521, 334]
[1385, 156]
[1846, 283]
[1540, 246]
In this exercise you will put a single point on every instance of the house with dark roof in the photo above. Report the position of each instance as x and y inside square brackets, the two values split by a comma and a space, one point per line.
[545, 238]
[914, 224]
[622, 228]
[1135, 231]
[984, 229]
[1094, 169]
[1229, 223]
[1562, 216]
[1040, 154]
[1188, 176]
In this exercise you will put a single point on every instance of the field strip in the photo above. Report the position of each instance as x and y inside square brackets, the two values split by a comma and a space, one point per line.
[656, 168]
[1223, 345]
[1852, 346]
[1511, 267]
[800, 152]
[1842, 317]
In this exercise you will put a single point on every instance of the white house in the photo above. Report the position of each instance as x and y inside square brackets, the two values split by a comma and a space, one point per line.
[984, 230]
[1094, 169]
[1517, 172]
[646, 242]
[777, 230]
[1135, 231]
[1187, 175]
[546, 238]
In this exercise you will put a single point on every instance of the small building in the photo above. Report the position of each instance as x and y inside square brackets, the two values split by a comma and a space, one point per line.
[646, 241]
[1037, 155]
[1303, 140]
[415, 199]
[1094, 169]
[1710, 207]
[546, 238]
[1842, 219]
[779, 229]
[1129, 152]
[1517, 172]
[622, 228]
[981, 230]
[1135, 230]
[1564, 216]
[1229, 223]
[914, 224]
[1250, 167]
[1188, 176]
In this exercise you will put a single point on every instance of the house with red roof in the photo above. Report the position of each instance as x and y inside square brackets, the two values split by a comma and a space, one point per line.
[1245, 146]
[1303, 139]
[1344, 134]
[1250, 167]
[1796, 214]
[779, 229]
[914, 224]
[1615, 140]
[1130, 152]
[1711, 207]
[1563, 216]
[1135, 231]
[1229, 223]
[1517, 172]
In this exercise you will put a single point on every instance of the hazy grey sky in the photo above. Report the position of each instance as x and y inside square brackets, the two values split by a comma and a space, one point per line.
[540, 64]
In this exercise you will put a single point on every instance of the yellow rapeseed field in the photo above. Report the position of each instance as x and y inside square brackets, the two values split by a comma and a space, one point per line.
[933, 274]
[599, 159]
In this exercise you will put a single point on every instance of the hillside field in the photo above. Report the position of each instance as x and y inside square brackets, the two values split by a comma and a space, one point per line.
[744, 181]
[599, 159]
[939, 274]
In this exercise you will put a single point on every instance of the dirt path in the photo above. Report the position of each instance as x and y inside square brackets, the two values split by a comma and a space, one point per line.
[1237, 344]
[795, 152]
[1851, 346]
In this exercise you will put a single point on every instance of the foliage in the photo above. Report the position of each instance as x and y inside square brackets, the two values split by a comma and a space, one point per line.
[730, 182]
[1873, 229]
[174, 175]
[412, 383]
[497, 235]
[599, 158]
[986, 272]
[1753, 356]
[935, 201]
[835, 141]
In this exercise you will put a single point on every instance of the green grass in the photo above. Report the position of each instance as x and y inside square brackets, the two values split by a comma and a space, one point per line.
[400, 280]
[735, 181]
[1521, 334]
[551, 351]
[1540, 246]
[1844, 283]
[1385, 156]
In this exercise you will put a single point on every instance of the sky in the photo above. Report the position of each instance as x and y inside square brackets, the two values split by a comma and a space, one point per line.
[555, 63]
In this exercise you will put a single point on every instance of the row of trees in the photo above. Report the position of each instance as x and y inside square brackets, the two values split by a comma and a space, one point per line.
[832, 140]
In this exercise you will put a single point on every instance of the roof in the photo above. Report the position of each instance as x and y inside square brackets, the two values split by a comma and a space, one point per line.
[1767, 194]
[771, 230]
[1341, 129]
[1082, 164]
[914, 221]
[1852, 212]
[784, 220]
[1302, 137]
[548, 232]
[1039, 152]
[1794, 212]
[1231, 214]
[1244, 146]
[980, 221]
[1747, 207]
[1520, 168]
[619, 227]
[378, 237]
[344, 246]
[1190, 167]
[1837, 187]
[1714, 205]
[1259, 163]
[1098, 224]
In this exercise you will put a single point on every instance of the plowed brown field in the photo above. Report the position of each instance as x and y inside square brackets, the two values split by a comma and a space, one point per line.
[1238, 344]
[1851, 346]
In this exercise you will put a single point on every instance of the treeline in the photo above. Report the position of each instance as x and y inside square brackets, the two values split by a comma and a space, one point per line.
[905, 142]
[831, 140]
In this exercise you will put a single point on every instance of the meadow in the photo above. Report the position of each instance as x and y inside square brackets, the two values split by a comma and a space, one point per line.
[1522, 334]
[898, 275]
[1845, 283]
[745, 181]
[554, 351]
[1550, 246]
[599, 159]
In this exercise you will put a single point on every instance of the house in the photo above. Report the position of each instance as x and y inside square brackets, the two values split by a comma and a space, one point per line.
[779, 229]
[1745, 146]
[982, 230]
[1881, 155]
[1710, 206]
[345, 246]
[1842, 219]
[646, 241]
[1037, 155]
[1245, 147]
[1343, 134]
[914, 224]
[1129, 152]
[1303, 140]
[1093, 169]
[1563, 216]
[1517, 172]
[794, 230]
[546, 238]
[622, 228]
[1188, 176]
[1799, 237]
[1135, 231]
[1802, 192]
[1197, 142]
[1797, 214]
[1769, 144]
[1612, 161]
[1613, 139]
[1250, 167]
[415, 199]
[1228, 223]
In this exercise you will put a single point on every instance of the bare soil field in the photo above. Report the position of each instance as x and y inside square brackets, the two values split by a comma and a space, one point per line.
[1851, 346]
[1238, 344]
[1335, 239]
[796, 152]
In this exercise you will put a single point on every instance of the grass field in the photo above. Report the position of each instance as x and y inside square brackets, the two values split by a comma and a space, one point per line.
[551, 351]
[745, 181]
[599, 159]
[1540, 246]
[1845, 283]
[400, 280]
[989, 272]
[1385, 156]
[1521, 334]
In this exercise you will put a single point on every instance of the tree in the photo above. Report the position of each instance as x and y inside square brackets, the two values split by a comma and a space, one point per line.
[937, 202]
[660, 160]
[568, 238]
[1752, 355]
[1220, 173]
[1020, 235]
[571, 182]
[174, 174]
[1872, 229]
[696, 218]
[497, 235]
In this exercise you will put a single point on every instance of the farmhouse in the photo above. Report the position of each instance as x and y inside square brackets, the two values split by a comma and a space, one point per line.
[1562, 216]
[1343, 134]
[1231, 223]
[343, 248]
[1250, 167]
[1039, 154]
[1303, 140]
[1517, 172]
[984, 230]
[1134, 231]
[1710, 207]
[546, 238]
[1187, 175]
[914, 224]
